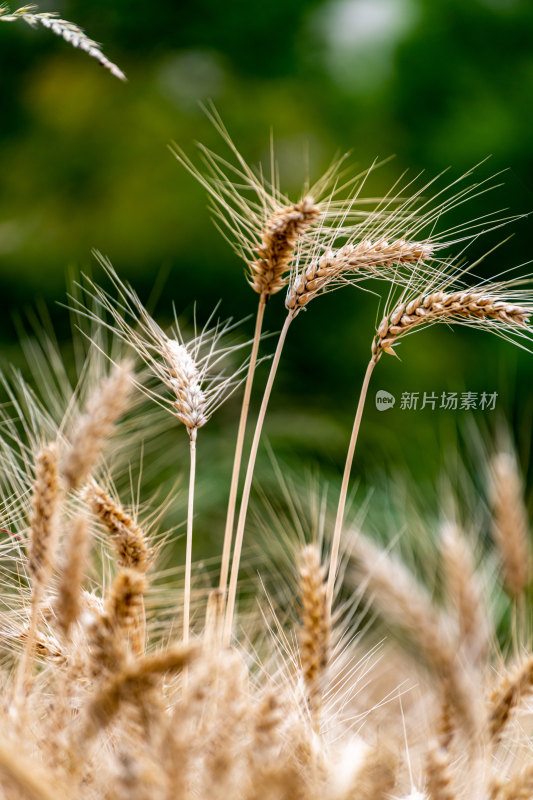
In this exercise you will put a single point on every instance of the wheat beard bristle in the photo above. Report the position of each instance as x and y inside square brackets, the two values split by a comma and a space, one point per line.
[440, 306]
[278, 240]
[315, 630]
[366, 255]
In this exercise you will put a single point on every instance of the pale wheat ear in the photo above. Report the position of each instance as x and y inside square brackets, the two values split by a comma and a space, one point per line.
[315, 633]
[68, 31]
[105, 406]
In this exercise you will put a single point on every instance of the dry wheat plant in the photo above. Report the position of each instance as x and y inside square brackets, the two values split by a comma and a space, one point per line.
[125, 678]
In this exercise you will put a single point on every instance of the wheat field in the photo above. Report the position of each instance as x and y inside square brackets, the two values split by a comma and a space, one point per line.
[338, 673]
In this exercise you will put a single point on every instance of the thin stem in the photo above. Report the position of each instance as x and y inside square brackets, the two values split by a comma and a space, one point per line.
[188, 553]
[344, 488]
[228, 624]
[230, 518]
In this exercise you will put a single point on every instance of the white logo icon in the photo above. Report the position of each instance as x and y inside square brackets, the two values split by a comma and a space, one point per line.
[384, 400]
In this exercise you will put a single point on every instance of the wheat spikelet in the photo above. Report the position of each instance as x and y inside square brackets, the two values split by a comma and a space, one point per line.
[68, 31]
[69, 600]
[314, 634]
[369, 258]
[44, 518]
[515, 685]
[510, 529]
[467, 306]
[438, 774]
[128, 538]
[268, 273]
[104, 407]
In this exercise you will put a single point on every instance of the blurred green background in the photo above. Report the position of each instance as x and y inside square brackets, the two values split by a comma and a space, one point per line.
[84, 164]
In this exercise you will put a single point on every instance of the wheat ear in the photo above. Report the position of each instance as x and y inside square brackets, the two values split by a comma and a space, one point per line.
[268, 273]
[128, 538]
[104, 407]
[464, 593]
[28, 778]
[468, 305]
[315, 633]
[510, 529]
[438, 774]
[126, 607]
[372, 257]
[518, 787]
[69, 595]
[129, 684]
[44, 533]
[514, 686]
[68, 31]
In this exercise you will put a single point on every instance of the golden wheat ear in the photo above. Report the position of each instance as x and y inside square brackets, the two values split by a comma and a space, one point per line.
[46, 499]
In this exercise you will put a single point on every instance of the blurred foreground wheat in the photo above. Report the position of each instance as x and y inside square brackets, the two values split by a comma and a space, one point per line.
[120, 681]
